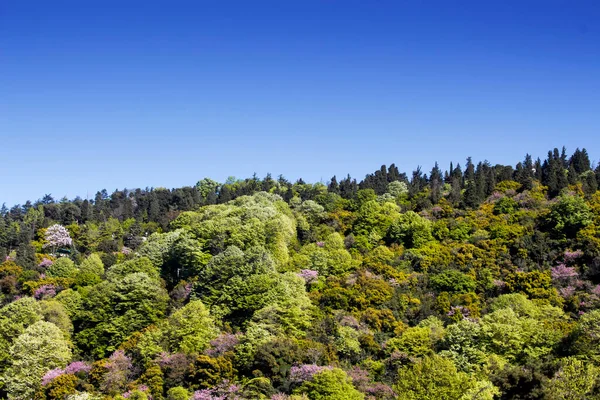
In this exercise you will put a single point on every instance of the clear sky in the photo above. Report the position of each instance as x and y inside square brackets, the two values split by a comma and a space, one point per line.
[113, 94]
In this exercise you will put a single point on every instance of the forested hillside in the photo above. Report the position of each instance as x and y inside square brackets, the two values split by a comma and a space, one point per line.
[474, 282]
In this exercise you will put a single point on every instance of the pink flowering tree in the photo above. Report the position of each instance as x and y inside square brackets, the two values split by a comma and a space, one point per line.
[563, 274]
[78, 368]
[51, 375]
[45, 292]
[119, 369]
[224, 391]
[222, 344]
[571, 256]
[57, 236]
[305, 372]
[46, 262]
[309, 275]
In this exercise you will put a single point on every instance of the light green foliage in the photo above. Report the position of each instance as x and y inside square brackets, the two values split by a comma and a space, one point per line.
[138, 265]
[460, 344]
[62, 268]
[330, 385]
[152, 341]
[452, 280]
[92, 264]
[255, 335]
[312, 211]
[505, 205]
[178, 393]
[83, 396]
[158, 246]
[190, 329]
[397, 189]
[53, 311]
[569, 215]
[206, 186]
[375, 218]
[292, 316]
[23, 312]
[40, 348]
[418, 341]
[186, 258]
[71, 301]
[518, 302]
[411, 230]
[236, 284]
[331, 259]
[14, 319]
[112, 310]
[482, 390]
[347, 342]
[437, 378]
[504, 333]
[138, 395]
[517, 329]
[575, 380]
[586, 336]
[415, 341]
[248, 221]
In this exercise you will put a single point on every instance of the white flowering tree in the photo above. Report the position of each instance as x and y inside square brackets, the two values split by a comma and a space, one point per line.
[57, 236]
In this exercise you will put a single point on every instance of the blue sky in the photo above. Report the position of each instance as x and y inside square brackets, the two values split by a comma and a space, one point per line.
[114, 94]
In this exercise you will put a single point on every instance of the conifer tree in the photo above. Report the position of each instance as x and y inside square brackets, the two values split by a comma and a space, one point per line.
[435, 184]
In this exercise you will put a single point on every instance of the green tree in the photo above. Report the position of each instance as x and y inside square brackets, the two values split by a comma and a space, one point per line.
[62, 268]
[178, 393]
[411, 230]
[93, 264]
[568, 216]
[436, 377]
[40, 348]
[190, 329]
[113, 310]
[575, 380]
[14, 319]
[53, 311]
[331, 384]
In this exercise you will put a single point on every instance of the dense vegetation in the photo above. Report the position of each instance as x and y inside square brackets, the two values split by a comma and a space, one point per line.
[474, 283]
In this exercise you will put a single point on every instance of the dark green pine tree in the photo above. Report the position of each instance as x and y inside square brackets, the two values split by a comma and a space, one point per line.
[267, 183]
[448, 174]
[348, 187]
[553, 173]
[417, 183]
[86, 211]
[153, 208]
[225, 194]
[589, 183]
[524, 173]
[435, 184]
[580, 161]
[537, 170]
[470, 198]
[394, 174]
[563, 158]
[572, 175]
[101, 211]
[25, 251]
[481, 173]
[333, 186]
[490, 180]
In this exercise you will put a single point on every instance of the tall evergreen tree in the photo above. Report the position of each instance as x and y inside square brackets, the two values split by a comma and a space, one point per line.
[524, 173]
[435, 184]
[470, 198]
[333, 186]
[580, 161]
